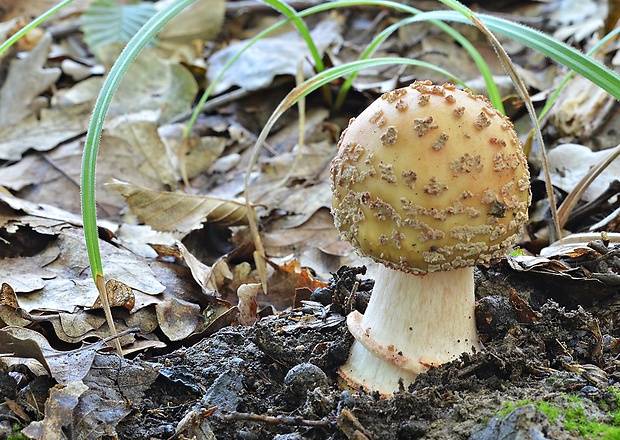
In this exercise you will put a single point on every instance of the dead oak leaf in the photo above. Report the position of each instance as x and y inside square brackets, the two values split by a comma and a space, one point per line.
[168, 211]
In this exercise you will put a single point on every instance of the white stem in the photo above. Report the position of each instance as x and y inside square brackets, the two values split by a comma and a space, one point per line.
[411, 324]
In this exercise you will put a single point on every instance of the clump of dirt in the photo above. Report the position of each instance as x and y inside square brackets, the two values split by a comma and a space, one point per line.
[278, 379]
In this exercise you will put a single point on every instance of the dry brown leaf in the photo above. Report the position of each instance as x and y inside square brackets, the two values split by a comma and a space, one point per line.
[77, 325]
[7, 296]
[168, 211]
[140, 138]
[178, 319]
[131, 149]
[58, 279]
[44, 132]
[27, 274]
[34, 8]
[64, 366]
[318, 232]
[269, 57]
[209, 278]
[26, 80]
[58, 412]
[151, 83]
[119, 295]
[202, 20]
[198, 153]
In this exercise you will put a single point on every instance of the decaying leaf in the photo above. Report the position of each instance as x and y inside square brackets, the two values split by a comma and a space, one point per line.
[195, 154]
[119, 295]
[140, 138]
[167, 211]
[151, 83]
[110, 397]
[582, 108]
[7, 296]
[569, 163]
[209, 278]
[64, 366]
[268, 57]
[58, 412]
[178, 319]
[26, 80]
[44, 132]
[34, 8]
[202, 21]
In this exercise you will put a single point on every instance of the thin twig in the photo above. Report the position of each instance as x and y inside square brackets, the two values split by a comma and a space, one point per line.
[276, 420]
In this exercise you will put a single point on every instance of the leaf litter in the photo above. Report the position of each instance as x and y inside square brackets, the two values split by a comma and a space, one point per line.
[208, 353]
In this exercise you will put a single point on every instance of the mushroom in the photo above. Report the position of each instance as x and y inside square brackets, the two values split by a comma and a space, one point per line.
[428, 181]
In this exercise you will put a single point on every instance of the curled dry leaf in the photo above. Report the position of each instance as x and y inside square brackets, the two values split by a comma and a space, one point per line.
[168, 211]
[8, 297]
[119, 295]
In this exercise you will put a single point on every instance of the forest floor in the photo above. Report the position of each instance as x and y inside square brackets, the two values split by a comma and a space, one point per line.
[208, 355]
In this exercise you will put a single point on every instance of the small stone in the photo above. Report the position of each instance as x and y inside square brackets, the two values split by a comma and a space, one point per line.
[303, 378]
[291, 436]
[347, 400]
[244, 434]
[494, 315]
[413, 429]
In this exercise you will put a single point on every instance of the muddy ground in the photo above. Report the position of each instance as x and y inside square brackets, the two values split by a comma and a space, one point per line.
[278, 380]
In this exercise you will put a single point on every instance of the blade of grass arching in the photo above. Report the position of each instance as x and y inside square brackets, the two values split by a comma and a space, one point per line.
[556, 232]
[570, 74]
[33, 24]
[91, 145]
[492, 90]
[292, 16]
[559, 51]
[291, 99]
[305, 13]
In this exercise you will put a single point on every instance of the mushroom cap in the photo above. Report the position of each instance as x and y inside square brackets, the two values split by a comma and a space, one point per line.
[430, 178]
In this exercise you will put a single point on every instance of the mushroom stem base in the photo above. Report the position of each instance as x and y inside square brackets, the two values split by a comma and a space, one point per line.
[412, 323]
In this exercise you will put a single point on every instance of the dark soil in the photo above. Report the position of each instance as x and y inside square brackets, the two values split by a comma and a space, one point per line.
[278, 379]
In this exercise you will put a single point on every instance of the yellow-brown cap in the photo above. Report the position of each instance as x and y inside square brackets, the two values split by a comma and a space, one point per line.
[430, 178]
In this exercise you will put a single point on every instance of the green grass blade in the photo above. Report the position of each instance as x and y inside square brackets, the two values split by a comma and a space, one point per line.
[89, 158]
[295, 18]
[33, 24]
[554, 49]
[327, 6]
[568, 76]
[492, 90]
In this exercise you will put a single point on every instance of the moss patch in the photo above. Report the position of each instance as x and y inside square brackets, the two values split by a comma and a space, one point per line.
[571, 413]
